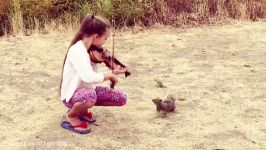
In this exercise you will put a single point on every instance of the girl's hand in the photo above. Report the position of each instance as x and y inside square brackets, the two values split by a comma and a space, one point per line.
[113, 80]
[119, 70]
[112, 77]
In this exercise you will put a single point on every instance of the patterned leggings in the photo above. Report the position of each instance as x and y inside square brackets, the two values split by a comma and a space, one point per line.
[101, 96]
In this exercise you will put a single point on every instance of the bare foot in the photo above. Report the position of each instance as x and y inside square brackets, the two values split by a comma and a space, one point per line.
[75, 121]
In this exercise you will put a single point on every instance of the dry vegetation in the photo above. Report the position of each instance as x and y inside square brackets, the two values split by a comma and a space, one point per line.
[23, 16]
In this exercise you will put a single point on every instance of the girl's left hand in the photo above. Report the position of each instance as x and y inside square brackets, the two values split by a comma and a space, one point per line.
[119, 70]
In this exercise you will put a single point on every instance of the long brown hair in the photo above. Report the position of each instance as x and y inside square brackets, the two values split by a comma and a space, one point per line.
[90, 25]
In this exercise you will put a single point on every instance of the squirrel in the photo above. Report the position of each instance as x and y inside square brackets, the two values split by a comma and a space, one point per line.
[165, 106]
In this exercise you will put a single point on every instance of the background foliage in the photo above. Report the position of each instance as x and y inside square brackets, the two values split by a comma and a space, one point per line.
[25, 15]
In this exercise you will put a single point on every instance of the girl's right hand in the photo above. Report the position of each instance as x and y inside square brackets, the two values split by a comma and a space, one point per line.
[112, 77]
[113, 80]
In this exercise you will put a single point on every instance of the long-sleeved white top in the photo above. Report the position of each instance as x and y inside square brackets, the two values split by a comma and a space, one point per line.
[78, 71]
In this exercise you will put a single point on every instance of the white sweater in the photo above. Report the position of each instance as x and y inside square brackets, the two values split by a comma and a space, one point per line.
[79, 71]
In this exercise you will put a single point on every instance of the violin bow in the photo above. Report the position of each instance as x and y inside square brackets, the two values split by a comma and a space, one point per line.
[113, 45]
[113, 50]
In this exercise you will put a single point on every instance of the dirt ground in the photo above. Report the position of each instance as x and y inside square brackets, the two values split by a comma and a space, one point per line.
[217, 74]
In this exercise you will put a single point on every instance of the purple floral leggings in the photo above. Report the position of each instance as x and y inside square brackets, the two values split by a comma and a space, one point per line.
[101, 96]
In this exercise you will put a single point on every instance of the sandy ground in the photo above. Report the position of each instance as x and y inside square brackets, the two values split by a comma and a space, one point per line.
[217, 73]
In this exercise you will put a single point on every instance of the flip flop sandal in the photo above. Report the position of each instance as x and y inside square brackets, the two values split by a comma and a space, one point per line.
[68, 126]
[89, 117]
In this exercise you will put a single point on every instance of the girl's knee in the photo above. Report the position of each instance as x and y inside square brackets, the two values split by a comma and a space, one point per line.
[122, 95]
[122, 103]
[122, 99]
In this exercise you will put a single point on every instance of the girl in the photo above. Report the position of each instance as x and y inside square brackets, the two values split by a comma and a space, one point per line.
[78, 91]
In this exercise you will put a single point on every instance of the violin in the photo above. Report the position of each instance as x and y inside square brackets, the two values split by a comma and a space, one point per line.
[110, 61]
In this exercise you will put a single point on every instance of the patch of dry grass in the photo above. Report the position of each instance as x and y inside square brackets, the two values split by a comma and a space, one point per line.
[218, 79]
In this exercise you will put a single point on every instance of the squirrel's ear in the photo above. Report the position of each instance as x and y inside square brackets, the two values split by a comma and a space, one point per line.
[156, 100]
[171, 96]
